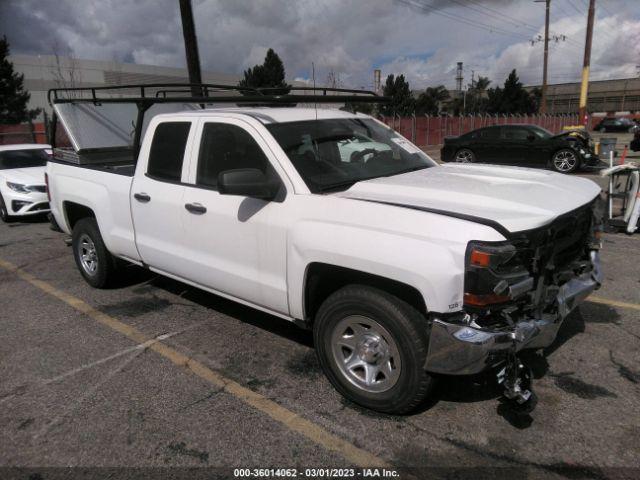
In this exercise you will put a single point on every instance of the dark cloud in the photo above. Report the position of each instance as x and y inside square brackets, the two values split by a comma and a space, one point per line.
[347, 36]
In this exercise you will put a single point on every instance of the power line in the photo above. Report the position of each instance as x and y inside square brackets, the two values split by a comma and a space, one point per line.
[498, 15]
[428, 8]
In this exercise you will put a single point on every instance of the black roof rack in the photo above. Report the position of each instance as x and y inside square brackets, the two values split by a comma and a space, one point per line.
[211, 93]
[146, 95]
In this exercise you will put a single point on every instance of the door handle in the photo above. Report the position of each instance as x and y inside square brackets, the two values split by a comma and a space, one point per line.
[195, 208]
[142, 197]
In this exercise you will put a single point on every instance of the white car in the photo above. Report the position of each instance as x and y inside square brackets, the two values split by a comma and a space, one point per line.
[401, 267]
[22, 184]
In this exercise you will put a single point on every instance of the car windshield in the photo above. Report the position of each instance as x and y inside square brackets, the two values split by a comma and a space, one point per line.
[334, 154]
[23, 159]
[541, 132]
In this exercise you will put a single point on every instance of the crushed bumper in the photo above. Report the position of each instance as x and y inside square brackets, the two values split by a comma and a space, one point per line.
[459, 349]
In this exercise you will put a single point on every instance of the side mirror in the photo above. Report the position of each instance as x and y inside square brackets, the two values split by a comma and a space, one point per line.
[531, 137]
[248, 182]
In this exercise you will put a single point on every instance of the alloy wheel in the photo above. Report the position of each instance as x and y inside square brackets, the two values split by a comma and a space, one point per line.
[565, 161]
[366, 354]
[464, 156]
[88, 254]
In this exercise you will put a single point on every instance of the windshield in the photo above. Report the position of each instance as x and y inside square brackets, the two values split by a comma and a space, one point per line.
[23, 159]
[541, 132]
[335, 154]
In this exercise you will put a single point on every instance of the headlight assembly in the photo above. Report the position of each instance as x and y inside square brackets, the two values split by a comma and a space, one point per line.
[18, 187]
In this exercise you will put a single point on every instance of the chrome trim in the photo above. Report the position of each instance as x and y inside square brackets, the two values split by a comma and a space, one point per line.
[459, 349]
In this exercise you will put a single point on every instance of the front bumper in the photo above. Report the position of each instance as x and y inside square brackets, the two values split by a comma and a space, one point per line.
[22, 204]
[459, 349]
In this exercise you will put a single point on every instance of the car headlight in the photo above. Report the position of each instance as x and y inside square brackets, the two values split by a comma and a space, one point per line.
[18, 187]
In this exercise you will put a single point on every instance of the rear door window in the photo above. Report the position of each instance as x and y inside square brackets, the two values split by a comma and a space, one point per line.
[492, 133]
[515, 133]
[167, 151]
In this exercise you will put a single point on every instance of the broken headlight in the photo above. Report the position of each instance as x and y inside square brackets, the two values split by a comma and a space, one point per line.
[495, 273]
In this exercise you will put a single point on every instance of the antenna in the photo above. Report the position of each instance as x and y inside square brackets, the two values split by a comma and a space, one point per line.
[313, 75]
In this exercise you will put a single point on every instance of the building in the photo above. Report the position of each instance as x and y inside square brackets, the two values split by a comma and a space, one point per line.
[42, 72]
[619, 95]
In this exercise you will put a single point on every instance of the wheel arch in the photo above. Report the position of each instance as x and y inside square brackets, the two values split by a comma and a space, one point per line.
[73, 212]
[323, 279]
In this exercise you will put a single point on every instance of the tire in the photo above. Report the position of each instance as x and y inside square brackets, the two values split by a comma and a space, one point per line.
[395, 346]
[95, 263]
[4, 211]
[565, 160]
[464, 155]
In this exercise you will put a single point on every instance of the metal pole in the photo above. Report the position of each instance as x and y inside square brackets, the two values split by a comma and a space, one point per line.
[610, 186]
[191, 46]
[584, 89]
[543, 100]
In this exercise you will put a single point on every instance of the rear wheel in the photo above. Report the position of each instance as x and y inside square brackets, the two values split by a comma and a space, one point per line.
[94, 261]
[565, 161]
[4, 212]
[464, 155]
[372, 346]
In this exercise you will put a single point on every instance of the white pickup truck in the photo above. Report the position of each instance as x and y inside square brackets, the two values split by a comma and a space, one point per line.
[402, 268]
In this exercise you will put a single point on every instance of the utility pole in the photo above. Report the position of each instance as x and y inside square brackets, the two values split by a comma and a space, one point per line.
[543, 106]
[543, 100]
[191, 46]
[584, 89]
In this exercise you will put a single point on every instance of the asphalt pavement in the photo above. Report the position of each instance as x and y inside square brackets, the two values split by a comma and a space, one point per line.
[155, 373]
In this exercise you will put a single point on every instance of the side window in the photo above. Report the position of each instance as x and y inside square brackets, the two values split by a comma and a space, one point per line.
[516, 133]
[227, 147]
[167, 151]
[491, 133]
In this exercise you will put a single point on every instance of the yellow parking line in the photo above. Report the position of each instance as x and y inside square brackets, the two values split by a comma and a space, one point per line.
[287, 418]
[614, 303]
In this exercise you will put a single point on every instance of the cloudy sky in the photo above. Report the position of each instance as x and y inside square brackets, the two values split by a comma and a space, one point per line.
[422, 39]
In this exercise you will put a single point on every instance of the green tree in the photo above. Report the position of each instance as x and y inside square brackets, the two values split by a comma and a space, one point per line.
[269, 74]
[430, 101]
[13, 96]
[512, 98]
[476, 101]
[402, 101]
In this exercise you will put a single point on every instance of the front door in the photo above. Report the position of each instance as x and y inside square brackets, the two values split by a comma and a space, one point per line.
[236, 245]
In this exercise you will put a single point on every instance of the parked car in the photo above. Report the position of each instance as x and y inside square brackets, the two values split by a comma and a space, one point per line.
[613, 124]
[635, 143]
[401, 267]
[360, 148]
[522, 146]
[22, 183]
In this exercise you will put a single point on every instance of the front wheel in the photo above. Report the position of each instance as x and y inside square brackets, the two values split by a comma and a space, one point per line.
[94, 261]
[464, 155]
[372, 346]
[4, 212]
[565, 161]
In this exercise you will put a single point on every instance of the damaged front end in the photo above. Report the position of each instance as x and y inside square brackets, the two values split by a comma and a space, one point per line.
[517, 293]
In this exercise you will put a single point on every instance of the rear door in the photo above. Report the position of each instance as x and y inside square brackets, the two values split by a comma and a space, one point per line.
[157, 197]
[514, 147]
[488, 145]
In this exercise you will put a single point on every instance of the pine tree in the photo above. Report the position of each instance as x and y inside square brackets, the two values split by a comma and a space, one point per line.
[270, 74]
[402, 101]
[13, 96]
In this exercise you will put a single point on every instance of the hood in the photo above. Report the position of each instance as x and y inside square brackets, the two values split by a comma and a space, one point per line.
[25, 176]
[574, 135]
[515, 198]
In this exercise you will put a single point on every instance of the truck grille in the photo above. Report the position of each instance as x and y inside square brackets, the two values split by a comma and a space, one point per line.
[559, 244]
